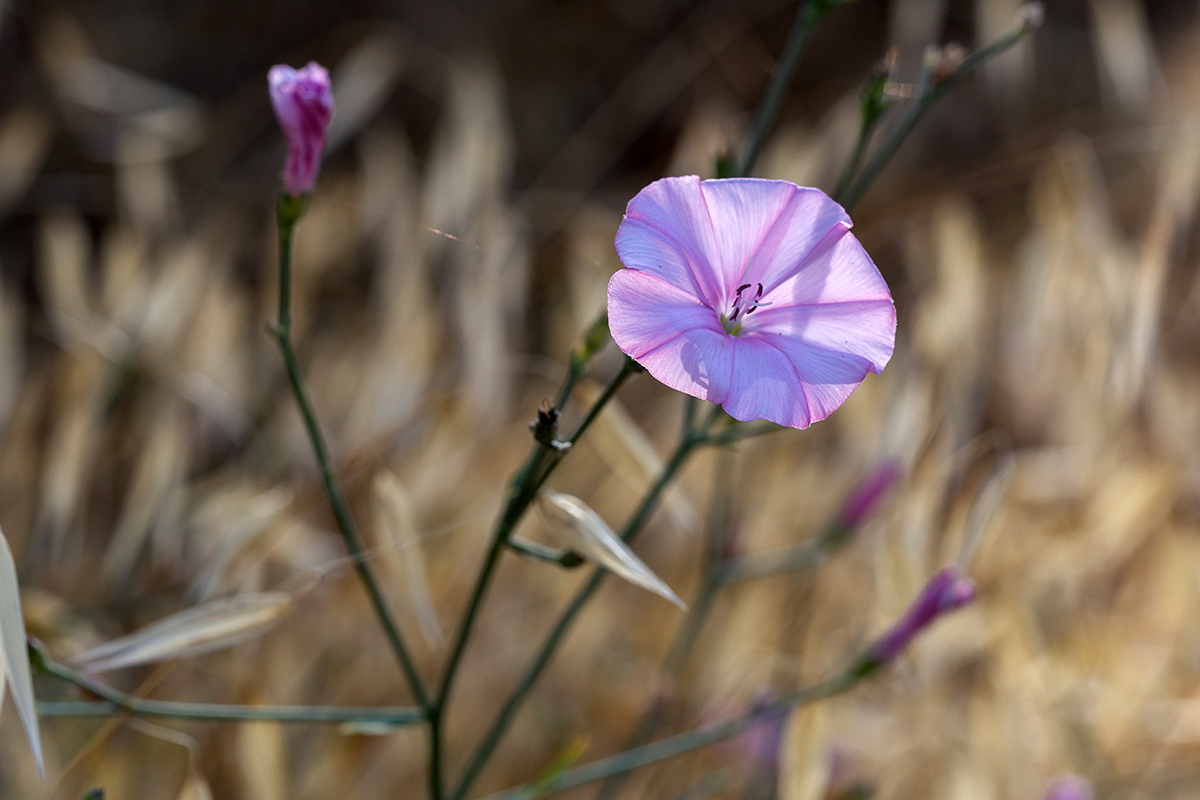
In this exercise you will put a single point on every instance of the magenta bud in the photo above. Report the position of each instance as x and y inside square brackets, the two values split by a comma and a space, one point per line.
[1069, 787]
[303, 105]
[869, 493]
[945, 592]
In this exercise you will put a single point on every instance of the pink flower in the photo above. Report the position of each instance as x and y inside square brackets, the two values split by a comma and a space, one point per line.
[868, 494]
[1069, 787]
[304, 107]
[749, 293]
[946, 591]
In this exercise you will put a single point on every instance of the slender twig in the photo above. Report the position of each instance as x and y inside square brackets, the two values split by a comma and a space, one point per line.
[785, 559]
[688, 633]
[540, 552]
[743, 430]
[217, 712]
[290, 210]
[789, 60]
[550, 644]
[930, 89]
[686, 742]
[115, 701]
[629, 367]
[537, 468]
[860, 148]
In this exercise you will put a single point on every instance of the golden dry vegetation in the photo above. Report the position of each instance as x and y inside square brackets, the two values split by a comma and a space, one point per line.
[1044, 402]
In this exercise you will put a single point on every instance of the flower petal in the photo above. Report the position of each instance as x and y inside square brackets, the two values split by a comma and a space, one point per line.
[698, 362]
[765, 386]
[667, 230]
[838, 270]
[646, 311]
[865, 330]
[765, 228]
[828, 378]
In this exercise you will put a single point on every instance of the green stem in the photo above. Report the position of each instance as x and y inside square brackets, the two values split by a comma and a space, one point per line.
[538, 467]
[216, 712]
[784, 559]
[629, 367]
[290, 210]
[685, 742]
[929, 91]
[688, 633]
[540, 552]
[860, 148]
[115, 701]
[544, 653]
[768, 108]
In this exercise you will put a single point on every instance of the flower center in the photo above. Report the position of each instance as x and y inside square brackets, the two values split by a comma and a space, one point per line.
[743, 306]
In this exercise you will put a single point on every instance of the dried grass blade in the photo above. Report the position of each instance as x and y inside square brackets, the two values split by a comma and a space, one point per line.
[15, 652]
[396, 532]
[207, 627]
[581, 529]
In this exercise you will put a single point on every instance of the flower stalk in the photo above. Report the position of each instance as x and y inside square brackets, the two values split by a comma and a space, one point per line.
[290, 210]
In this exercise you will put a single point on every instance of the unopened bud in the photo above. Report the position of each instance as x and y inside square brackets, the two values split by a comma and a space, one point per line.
[946, 591]
[303, 104]
[545, 425]
[1031, 16]
[1069, 787]
[593, 340]
[952, 57]
[874, 100]
[868, 494]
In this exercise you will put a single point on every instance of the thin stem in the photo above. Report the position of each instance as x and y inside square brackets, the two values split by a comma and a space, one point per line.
[540, 552]
[217, 712]
[784, 559]
[538, 467]
[521, 494]
[860, 148]
[929, 92]
[768, 108]
[628, 367]
[289, 212]
[686, 742]
[546, 651]
[115, 701]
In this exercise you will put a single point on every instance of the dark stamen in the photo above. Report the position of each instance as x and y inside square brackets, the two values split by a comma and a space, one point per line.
[760, 291]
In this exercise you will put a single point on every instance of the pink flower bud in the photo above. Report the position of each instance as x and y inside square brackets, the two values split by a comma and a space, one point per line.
[945, 592]
[304, 107]
[1069, 787]
[868, 494]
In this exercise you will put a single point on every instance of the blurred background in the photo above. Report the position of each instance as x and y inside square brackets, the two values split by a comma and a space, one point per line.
[1038, 233]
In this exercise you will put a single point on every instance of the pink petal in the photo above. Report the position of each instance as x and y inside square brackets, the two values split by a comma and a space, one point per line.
[303, 105]
[766, 228]
[644, 248]
[765, 386]
[698, 362]
[667, 230]
[837, 270]
[865, 330]
[828, 378]
[646, 311]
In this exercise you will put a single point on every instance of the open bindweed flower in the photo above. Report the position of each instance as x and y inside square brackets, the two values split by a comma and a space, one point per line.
[750, 293]
[303, 104]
